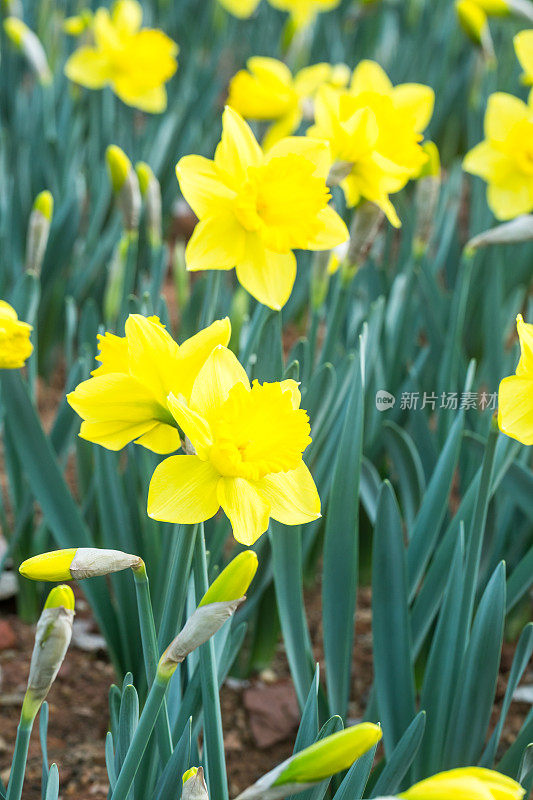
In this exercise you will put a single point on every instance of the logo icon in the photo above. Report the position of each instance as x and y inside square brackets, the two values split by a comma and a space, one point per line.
[384, 400]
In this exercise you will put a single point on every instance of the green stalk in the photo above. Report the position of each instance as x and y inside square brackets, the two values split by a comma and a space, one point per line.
[335, 317]
[215, 763]
[141, 736]
[18, 767]
[151, 655]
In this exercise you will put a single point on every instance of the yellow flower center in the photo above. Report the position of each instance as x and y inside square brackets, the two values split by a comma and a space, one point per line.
[281, 200]
[258, 432]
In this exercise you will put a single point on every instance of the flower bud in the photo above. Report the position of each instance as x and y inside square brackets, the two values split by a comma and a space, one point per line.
[125, 185]
[522, 8]
[76, 564]
[30, 45]
[517, 230]
[38, 231]
[233, 581]
[474, 22]
[52, 638]
[364, 229]
[75, 26]
[194, 786]
[203, 624]
[475, 783]
[15, 344]
[317, 762]
[151, 193]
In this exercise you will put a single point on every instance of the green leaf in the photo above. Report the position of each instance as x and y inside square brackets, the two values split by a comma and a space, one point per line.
[408, 469]
[52, 785]
[341, 552]
[389, 782]
[390, 623]
[178, 763]
[355, 780]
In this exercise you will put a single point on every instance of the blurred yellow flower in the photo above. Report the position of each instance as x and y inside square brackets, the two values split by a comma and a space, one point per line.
[515, 401]
[474, 783]
[374, 131]
[473, 20]
[266, 90]
[240, 8]
[256, 208]
[135, 63]
[523, 45]
[303, 12]
[505, 158]
[126, 399]
[15, 345]
[248, 443]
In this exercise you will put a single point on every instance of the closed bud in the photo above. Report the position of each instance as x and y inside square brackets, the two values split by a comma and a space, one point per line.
[200, 627]
[38, 231]
[76, 563]
[151, 193]
[513, 232]
[30, 45]
[233, 581]
[194, 786]
[125, 185]
[474, 22]
[78, 24]
[317, 762]
[364, 229]
[52, 638]
[522, 8]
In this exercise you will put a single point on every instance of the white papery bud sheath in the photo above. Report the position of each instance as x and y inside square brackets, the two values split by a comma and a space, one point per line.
[517, 230]
[194, 788]
[52, 638]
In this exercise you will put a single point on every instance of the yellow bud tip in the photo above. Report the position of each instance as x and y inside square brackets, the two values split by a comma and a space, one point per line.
[53, 566]
[233, 581]
[61, 597]
[473, 19]
[15, 29]
[431, 168]
[144, 175]
[330, 755]
[189, 774]
[44, 202]
[118, 165]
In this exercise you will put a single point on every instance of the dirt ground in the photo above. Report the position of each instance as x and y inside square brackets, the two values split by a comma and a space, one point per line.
[260, 715]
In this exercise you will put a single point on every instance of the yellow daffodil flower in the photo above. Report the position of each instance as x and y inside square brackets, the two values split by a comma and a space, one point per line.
[303, 12]
[523, 45]
[135, 63]
[240, 8]
[474, 783]
[374, 131]
[474, 21]
[505, 158]
[126, 399]
[494, 8]
[266, 90]
[15, 345]
[515, 401]
[248, 443]
[256, 208]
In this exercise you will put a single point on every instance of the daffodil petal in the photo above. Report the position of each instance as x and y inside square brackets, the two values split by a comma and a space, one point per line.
[525, 334]
[503, 111]
[153, 101]
[292, 496]
[88, 67]
[153, 355]
[112, 397]
[268, 276]
[512, 199]
[183, 489]
[127, 16]
[292, 386]
[247, 510]
[116, 434]
[332, 232]
[201, 185]
[240, 8]
[220, 372]
[515, 408]
[217, 243]
[417, 101]
[194, 352]
[315, 150]
[238, 148]
[162, 439]
[368, 76]
[113, 354]
[193, 425]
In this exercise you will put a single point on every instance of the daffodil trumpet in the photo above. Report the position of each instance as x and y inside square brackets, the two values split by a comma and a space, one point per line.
[15, 344]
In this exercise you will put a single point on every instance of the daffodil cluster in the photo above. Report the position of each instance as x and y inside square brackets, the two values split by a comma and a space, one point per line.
[135, 62]
[243, 443]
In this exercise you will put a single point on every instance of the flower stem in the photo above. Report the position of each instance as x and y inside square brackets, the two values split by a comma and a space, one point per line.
[151, 655]
[215, 763]
[18, 768]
